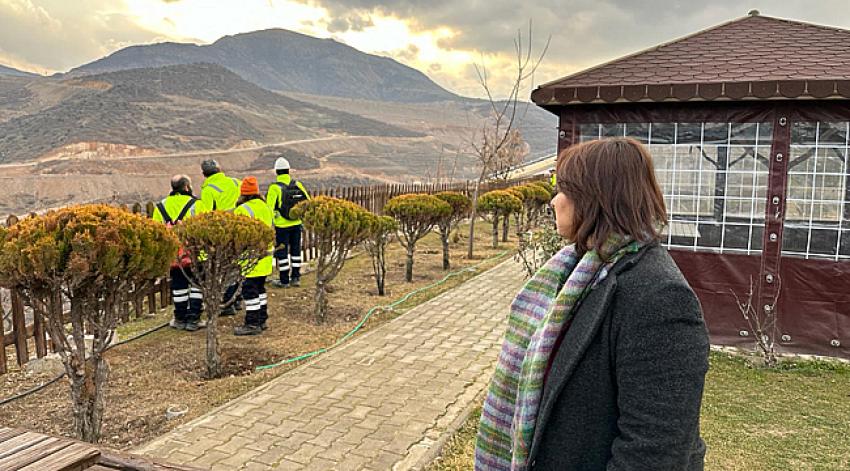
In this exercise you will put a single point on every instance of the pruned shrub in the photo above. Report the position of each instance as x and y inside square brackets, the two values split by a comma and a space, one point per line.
[223, 248]
[534, 198]
[381, 229]
[93, 256]
[461, 206]
[498, 204]
[339, 226]
[546, 186]
[416, 214]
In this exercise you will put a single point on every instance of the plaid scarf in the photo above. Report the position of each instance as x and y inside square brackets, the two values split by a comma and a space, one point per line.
[538, 315]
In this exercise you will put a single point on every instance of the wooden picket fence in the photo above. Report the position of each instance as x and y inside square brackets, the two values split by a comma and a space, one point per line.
[27, 337]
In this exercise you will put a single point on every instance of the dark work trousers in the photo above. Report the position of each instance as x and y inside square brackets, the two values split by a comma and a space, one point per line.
[288, 252]
[230, 297]
[188, 300]
[256, 302]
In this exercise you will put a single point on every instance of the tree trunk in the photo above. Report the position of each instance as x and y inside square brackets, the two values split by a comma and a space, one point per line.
[321, 302]
[87, 396]
[213, 347]
[720, 183]
[505, 227]
[471, 240]
[444, 238]
[382, 279]
[381, 269]
[495, 231]
[408, 269]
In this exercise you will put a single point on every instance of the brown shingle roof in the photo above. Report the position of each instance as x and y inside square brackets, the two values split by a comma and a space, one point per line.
[755, 57]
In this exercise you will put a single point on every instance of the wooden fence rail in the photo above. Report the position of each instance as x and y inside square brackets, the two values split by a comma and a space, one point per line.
[157, 295]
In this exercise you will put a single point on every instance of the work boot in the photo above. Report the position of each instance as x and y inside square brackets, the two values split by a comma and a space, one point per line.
[247, 330]
[193, 326]
[228, 311]
[175, 324]
[296, 282]
[279, 284]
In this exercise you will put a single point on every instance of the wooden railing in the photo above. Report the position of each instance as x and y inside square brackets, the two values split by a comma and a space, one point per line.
[27, 337]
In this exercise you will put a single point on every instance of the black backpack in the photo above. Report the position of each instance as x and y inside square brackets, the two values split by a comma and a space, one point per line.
[290, 195]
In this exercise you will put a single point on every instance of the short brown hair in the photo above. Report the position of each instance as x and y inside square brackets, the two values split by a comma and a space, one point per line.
[612, 185]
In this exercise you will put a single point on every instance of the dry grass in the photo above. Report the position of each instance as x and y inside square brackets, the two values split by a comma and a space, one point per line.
[793, 418]
[166, 367]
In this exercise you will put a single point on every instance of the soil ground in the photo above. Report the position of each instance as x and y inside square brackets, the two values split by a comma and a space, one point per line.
[166, 367]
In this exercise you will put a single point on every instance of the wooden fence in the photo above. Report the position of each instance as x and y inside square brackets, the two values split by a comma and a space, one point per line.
[149, 299]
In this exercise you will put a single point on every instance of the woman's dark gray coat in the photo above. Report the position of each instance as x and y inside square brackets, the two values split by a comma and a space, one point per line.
[625, 388]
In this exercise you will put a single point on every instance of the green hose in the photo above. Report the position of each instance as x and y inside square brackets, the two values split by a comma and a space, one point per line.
[372, 311]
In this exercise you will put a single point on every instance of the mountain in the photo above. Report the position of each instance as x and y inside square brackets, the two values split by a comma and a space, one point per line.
[15, 72]
[283, 60]
[171, 109]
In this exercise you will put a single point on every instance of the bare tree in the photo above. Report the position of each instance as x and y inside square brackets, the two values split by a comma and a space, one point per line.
[762, 323]
[496, 137]
[510, 155]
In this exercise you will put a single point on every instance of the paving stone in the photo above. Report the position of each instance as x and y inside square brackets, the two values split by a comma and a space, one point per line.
[378, 402]
[326, 438]
[209, 458]
[239, 458]
[305, 453]
[355, 435]
[274, 455]
[385, 460]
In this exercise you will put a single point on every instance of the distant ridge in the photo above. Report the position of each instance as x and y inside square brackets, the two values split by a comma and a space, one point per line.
[175, 108]
[4, 70]
[283, 60]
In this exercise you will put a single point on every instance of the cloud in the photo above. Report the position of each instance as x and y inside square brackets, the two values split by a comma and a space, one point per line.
[58, 35]
[584, 32]
[350, 23]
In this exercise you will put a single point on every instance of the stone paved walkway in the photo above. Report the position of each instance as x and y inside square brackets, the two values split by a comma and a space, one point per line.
[380, 402]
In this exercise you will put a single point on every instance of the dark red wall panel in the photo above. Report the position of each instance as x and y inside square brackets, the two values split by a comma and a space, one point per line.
[813, 306]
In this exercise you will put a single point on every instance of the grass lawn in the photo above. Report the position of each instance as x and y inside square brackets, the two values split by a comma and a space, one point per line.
[796, 417]
[166, 367]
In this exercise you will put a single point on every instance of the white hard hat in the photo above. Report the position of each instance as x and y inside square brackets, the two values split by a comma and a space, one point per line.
[281, 164]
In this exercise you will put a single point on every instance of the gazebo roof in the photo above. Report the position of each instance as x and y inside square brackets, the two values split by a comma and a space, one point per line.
[750, 58]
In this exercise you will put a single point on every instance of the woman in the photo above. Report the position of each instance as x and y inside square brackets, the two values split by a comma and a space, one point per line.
[606, 350]
[251, 204]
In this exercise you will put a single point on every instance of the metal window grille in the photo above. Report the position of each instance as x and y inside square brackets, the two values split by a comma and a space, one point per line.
[817, 191]
[713, 177]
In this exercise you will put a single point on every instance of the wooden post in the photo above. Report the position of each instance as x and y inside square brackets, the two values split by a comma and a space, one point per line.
[19, 328]
[2, 354]
[125, 312]
[152, 298]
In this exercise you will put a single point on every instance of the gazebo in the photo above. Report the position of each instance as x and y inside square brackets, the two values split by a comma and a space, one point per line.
[748, 124]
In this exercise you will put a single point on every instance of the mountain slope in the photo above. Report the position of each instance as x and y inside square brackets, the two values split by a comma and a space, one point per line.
[15, 72]
[175, 108]
[283, 60]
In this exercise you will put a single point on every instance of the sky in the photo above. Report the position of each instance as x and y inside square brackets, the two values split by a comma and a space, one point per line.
[442, 38]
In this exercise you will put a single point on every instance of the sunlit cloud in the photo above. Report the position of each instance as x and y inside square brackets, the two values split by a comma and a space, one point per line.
[441, 38]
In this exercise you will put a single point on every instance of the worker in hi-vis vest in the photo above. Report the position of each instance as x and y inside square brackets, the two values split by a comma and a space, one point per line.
[219, 193]
[553, 179]
[181, 204]
[283, 194]
[251, 204]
